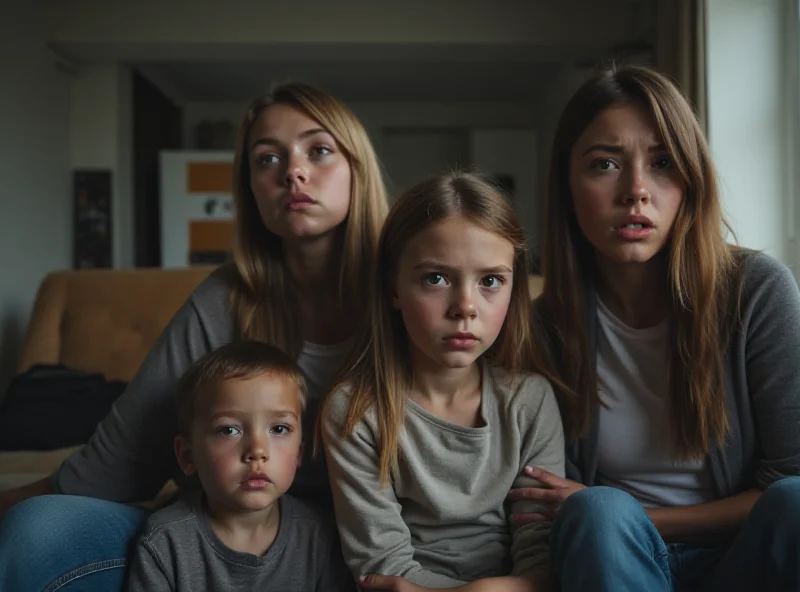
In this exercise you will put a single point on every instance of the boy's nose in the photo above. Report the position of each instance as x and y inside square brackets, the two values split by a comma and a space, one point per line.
[256, 452]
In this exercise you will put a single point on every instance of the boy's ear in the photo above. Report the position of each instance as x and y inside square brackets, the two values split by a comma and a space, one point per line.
[183, 452]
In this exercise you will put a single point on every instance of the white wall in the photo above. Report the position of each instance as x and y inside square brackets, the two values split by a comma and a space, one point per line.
[36, 222]
[377, 116]
[101, 137]
[749, 86]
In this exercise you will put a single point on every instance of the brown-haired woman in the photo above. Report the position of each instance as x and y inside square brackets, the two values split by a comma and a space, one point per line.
[310, 203]
[676, 358]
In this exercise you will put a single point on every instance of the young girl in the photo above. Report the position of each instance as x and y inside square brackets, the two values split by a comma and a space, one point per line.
[678, 355]
[433, 422]
[310, 204]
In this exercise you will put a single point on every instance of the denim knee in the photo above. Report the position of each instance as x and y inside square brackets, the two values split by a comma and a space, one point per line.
[779, 508]
[47, 542]
[600, 506]
[599, 517]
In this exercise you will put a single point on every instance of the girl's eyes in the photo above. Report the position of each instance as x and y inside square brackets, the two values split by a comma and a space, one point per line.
[489, 281]
[492, 281]
[435, 279]
[281, 430]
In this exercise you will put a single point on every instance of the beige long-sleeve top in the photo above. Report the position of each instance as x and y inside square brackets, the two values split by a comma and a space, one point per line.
[443, 520]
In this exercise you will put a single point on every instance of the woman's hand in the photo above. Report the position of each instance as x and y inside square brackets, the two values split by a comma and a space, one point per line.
[554, 493]
[392, 583]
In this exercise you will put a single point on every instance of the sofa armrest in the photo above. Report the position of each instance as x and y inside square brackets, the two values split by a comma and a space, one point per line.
[42, 343]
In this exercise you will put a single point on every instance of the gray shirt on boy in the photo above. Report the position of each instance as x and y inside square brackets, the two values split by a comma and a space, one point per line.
[179, 551]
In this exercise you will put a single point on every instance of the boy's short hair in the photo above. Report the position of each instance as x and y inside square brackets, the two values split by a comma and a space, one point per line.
[240, 359]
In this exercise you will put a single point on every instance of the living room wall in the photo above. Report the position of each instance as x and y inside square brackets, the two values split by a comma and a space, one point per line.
[35, 223]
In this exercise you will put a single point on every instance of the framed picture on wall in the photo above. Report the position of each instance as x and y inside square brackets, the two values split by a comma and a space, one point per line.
[92, 219]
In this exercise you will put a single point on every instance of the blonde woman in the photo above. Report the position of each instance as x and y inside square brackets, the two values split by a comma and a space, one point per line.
[676, 357]
[310, 203]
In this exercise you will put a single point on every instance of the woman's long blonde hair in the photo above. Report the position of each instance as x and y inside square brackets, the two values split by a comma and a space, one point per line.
[261, 299]
[379, 373]
[703, 272]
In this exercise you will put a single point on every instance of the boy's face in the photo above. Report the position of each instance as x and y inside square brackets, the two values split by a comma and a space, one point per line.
[245, 443]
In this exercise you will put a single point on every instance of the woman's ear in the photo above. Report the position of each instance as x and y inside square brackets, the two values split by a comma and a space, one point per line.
[183, 452]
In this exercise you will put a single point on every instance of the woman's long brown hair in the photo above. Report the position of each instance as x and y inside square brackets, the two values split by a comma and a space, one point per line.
[262, 300]
[379, 373]
[703, 271]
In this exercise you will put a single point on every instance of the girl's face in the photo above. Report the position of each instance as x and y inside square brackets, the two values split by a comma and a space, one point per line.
[299, 176]
[453, 288]
[625, 190]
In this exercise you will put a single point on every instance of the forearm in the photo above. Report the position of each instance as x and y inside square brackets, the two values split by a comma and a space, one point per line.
[703, 522]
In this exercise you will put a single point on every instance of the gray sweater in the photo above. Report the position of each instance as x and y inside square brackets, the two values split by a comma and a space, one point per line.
[179, 551]
[443, 519]
[130, 456]
[762, 387]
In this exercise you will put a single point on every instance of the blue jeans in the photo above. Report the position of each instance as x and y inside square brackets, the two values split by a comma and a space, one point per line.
[602, 539]
[67, 543]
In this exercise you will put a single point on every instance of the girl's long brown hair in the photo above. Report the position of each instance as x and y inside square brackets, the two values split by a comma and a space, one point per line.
[379, 373]
[703, 271]
[261, 299]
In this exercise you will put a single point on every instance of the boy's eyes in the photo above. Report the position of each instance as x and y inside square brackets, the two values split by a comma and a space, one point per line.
[229, 431]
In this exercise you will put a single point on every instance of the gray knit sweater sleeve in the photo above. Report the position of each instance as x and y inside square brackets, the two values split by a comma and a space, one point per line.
[375, 538]
[771, 323]
[130, 455]
[542, 446]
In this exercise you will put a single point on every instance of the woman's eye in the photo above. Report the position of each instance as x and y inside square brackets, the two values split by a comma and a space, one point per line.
[435, 279]
[266, 159]
[492, 281]
[664, 162]
[229, 431]
[604, 164]
[321, 151]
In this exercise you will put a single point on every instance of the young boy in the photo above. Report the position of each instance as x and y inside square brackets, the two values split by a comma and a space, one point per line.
[239, 415]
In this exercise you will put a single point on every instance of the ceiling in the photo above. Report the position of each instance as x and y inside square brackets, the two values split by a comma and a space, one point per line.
[359, 80]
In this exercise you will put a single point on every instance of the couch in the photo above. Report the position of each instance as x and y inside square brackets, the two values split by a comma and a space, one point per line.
[97, 321]
[100, 321]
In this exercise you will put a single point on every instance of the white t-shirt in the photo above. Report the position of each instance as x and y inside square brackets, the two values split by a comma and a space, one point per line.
[320, 365]
[635, 450]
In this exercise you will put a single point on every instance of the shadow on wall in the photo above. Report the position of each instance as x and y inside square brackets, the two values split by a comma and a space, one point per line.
[12, 333]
